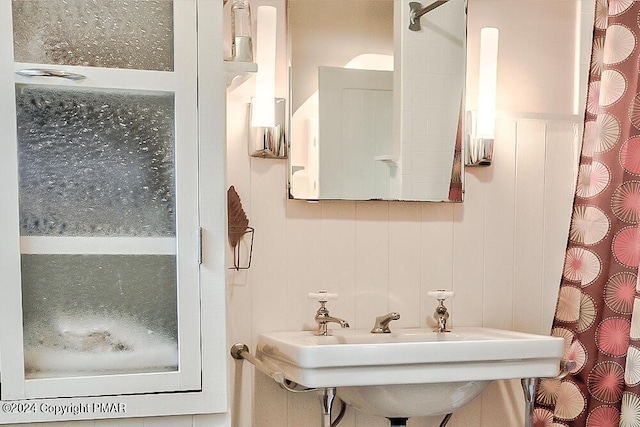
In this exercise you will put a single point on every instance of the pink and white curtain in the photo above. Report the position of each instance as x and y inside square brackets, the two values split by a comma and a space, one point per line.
[598, 311]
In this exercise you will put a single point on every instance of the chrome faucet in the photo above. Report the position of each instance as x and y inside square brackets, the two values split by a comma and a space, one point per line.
[441, 314]
[322, 317]
[382, 323]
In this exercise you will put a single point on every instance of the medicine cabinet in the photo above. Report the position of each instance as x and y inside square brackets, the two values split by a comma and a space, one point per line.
[113, 211]
[375, 106]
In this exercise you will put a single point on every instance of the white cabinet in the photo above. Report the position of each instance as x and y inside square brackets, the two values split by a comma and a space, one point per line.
[113, 209]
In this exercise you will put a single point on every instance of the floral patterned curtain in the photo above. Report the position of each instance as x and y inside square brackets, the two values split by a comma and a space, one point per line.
[598, 310]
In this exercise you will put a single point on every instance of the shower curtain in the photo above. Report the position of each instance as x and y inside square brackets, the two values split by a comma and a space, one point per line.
[598, 310]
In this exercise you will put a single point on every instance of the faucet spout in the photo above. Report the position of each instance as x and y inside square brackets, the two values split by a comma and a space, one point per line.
[323, 318]
[343, 323]
[441, 315]
[382, 323]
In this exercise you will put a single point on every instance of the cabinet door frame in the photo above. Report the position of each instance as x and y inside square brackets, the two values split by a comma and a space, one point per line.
[204, 389]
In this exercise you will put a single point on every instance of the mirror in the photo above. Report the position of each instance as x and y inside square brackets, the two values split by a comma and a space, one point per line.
[375, 107]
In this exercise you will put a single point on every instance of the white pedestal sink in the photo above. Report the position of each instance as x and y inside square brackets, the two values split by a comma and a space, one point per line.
[409, 372]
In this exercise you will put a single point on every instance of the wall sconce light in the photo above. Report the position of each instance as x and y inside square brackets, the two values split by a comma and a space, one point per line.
[482, 123]
[267, 136]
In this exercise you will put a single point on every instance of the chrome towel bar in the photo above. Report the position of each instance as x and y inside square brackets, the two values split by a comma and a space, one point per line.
[240, 351]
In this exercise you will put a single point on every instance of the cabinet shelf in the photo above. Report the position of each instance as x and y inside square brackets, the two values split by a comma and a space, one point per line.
[236, 72]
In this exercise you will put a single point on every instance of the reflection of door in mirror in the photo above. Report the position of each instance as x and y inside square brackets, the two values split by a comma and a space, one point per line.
[357, 135]
[354, 133]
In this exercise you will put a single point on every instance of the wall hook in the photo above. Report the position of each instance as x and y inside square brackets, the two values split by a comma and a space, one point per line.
[237, 252]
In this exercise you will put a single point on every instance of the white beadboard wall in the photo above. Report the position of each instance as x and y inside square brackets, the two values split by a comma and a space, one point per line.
[501, 251]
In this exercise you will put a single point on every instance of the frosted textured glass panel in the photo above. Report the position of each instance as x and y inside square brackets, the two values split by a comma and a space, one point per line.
[95, 163]
[100, 33]
[99, 314]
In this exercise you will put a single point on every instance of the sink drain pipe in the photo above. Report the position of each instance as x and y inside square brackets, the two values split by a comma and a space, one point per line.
[327, 396]
[445, 420]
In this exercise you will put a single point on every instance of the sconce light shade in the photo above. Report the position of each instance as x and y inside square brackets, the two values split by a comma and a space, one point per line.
[487, 81]
[263, 102]
[266, 136]
[483, 121]
[269, 141]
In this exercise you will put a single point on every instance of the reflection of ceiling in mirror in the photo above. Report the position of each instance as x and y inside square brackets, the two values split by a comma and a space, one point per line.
[318, 30]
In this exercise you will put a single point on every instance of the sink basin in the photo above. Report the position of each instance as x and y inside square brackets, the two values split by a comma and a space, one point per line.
[409, 372]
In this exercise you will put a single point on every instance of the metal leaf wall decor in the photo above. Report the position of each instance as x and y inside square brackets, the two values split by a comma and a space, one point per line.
[237, 218]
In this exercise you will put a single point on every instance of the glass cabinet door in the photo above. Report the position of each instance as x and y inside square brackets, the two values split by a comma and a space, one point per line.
[136, 34]
[106, 287]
